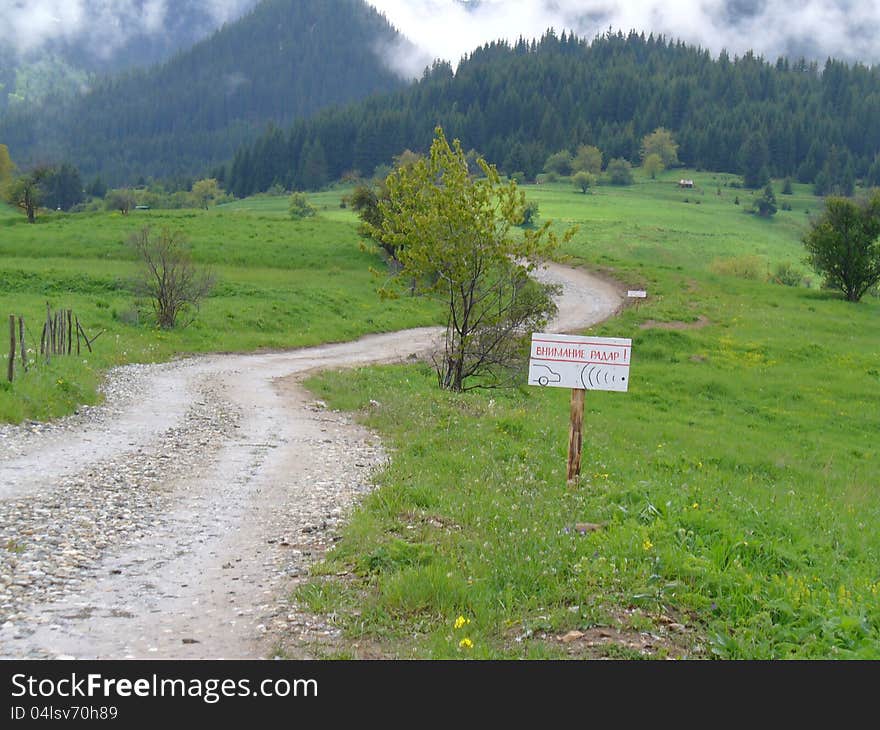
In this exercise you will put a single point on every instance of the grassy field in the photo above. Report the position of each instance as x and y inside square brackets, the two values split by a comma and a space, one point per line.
[734, 485]
[280, 284]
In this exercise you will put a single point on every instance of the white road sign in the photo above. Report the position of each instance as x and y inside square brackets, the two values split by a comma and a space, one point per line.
[586, 363]
[637, 294]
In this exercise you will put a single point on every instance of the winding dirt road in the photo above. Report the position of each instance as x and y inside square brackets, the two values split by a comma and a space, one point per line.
[174, 523]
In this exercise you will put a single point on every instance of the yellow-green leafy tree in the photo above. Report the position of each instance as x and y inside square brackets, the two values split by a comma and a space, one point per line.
[660, 142]
[584, 181]
[653, 165]
[457, 238]
[587, 159]
[206, 192]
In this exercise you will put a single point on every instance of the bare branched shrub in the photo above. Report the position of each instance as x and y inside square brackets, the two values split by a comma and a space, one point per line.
[168, 277]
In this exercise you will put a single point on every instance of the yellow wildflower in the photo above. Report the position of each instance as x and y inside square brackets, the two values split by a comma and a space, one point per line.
[647, 544]
[461, 621]
[466, 643]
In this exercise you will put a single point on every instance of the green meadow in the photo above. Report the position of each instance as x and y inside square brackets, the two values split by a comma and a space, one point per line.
[734, 485]
[280, 284]
[733, 488]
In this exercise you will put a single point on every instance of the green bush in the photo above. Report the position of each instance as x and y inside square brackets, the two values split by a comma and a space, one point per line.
[300, 207]
[619, 172]
[787, 275]
[530, 214]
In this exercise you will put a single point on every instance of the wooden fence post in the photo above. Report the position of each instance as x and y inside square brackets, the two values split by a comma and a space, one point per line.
[47, 328]
[69, 331]
[85, 336]
[10, 370]
[24, 359]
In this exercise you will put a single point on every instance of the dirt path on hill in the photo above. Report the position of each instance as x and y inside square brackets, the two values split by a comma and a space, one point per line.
[174, 520]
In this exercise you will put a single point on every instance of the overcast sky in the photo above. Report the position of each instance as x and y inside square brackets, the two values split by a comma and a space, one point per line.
[847, 29]
[447, 29]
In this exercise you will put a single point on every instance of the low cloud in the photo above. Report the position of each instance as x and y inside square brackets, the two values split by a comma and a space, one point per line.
[816, 29]
[102, 26]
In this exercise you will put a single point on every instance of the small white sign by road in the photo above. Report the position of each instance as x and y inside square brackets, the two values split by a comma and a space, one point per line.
[578, 362]
[637, 294]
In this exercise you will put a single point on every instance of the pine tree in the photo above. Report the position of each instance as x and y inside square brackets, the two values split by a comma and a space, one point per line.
[753, 157]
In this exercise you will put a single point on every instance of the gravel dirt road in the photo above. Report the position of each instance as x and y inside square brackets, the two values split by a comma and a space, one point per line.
[174, 520]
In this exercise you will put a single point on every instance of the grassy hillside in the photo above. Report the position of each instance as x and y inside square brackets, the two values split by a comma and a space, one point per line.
[734, 483]
[280, 284]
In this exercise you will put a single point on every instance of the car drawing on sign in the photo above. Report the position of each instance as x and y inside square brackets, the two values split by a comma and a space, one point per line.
[544, 375]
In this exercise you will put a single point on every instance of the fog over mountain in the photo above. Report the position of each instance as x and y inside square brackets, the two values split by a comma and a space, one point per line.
[98, 32]
[815, 29]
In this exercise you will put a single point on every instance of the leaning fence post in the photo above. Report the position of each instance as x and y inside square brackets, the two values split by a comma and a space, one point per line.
[85, 337]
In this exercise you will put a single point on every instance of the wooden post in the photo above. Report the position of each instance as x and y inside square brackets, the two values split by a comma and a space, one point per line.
[69, 331]
[21, 344]
[48, 329]
[575, 433]
[77, 335]
[10, 370]
[85, 337]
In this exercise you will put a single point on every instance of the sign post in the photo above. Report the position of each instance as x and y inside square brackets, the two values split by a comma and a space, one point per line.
[581, 364]
[575, 434]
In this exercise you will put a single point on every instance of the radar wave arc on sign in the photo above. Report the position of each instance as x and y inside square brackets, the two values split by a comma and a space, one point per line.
[598, 377]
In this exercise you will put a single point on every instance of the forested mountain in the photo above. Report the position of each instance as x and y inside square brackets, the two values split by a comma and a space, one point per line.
[517, 104]
[58, 56]
[284, 60]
